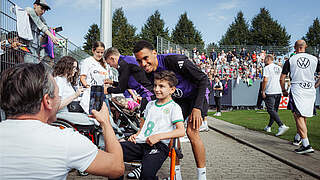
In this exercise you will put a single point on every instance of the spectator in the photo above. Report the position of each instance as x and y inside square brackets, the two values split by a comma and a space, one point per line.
[38, 24]
[13, 54]
[234, 52]
[33, 149]
[93, 72]
[229, 56]
[66, 73]
[243, 53]
[213, 55]
[218, 88]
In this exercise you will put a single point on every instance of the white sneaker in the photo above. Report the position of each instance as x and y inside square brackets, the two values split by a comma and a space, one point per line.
[218, 114]
[203, 128]
[282, 130]
[184, 139]
[215, 114]
[267, 128]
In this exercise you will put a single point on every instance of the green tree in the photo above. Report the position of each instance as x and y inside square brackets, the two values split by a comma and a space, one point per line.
[238, 32]
[92, 36]
[123, 34]
[185, 32]
[267, 32]
[154, 27]
[312, 37]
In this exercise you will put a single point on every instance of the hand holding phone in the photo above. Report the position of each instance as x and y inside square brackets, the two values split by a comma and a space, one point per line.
[97, 98]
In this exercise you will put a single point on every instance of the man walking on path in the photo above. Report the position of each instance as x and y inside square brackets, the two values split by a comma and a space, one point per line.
[302, 68]
[271, 93]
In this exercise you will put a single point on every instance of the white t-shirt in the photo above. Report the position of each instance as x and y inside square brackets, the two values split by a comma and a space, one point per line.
[65, 89]
[30, 149]
[96, 74]
[272, 72]
[159, 119]
[302, 68]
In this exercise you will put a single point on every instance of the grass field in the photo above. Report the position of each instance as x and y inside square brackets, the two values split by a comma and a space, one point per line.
[257, 120]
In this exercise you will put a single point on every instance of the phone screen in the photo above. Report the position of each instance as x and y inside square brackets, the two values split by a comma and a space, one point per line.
[97, 98]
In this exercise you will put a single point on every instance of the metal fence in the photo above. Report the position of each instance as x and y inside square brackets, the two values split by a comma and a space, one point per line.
[166, 46]
[15, 49]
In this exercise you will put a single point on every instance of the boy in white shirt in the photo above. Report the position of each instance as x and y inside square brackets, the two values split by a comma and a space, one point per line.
[163, 120]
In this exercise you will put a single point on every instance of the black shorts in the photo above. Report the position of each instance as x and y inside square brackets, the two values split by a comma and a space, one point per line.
[292, 106]
[187, 104]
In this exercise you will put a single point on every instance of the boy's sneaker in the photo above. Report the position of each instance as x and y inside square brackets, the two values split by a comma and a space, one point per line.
[267, 129]
[303, 150]
[282, 130]
[135, 174]
[296, 142]
[218, 114]
[203, 128]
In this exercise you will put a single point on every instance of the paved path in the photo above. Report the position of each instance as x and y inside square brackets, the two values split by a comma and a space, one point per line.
[229, 159]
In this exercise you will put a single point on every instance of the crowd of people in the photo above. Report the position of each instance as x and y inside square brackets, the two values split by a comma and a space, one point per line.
[171, 88]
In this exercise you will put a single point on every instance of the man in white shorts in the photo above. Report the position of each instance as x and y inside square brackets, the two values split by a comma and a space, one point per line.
[302, 68]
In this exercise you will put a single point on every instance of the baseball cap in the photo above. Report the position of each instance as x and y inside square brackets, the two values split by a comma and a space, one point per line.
[43, 3]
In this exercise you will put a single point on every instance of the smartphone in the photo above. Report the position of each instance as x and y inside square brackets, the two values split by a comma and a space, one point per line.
[58, 29]
[97, 98]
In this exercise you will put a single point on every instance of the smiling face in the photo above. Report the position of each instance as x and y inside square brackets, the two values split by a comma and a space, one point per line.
[147, 59]
[163, 91]
[98, 53]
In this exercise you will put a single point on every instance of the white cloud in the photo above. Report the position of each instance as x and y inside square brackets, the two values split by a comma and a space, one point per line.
[79, 4]
[221, 13]
[127, 4]
[227, 5]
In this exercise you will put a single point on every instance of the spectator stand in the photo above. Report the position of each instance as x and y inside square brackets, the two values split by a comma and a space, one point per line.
[243, 73]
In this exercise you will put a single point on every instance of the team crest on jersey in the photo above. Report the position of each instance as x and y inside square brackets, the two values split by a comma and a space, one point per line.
[305, 85]
[180, 64]
[303, 62]
[166, 111]
[177, 93]
[277, 70]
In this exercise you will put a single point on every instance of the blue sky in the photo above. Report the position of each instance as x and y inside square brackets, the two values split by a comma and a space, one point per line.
[210, 17]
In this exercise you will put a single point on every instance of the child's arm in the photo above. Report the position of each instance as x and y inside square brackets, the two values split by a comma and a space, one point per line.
[132, 138]
[178, 132]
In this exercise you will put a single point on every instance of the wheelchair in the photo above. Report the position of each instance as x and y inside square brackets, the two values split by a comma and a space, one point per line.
[124, 126]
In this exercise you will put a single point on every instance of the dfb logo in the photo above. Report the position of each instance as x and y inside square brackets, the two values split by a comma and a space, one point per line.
[305, 85]
[276, 70]
[303, 62]
[177, 93]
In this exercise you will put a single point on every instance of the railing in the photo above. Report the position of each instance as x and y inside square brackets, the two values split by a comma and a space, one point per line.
[11, 55]
[166, 46]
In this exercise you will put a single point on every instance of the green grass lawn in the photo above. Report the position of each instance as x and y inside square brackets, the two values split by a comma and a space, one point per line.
[257, 120]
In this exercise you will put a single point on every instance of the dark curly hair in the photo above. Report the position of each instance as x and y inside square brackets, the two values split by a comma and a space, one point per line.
[65, 67]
